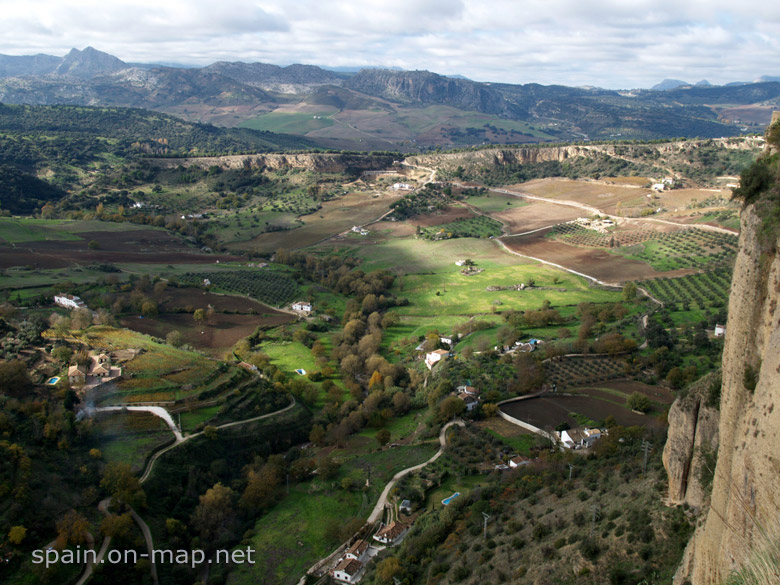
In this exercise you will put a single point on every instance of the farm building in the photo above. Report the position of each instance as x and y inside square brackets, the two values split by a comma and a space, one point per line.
[69, 301]
[471, 401]
[77, 375]
[720, 330]
[348, 571]
[357, 551]
[578, 438]
[405, 507]
[302, 306]
[402, 187]
[518, 461]
[392, 533]
[434, 357]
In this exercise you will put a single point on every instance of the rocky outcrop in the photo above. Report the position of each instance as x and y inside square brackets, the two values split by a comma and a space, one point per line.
[745, 499]
[316, 162]
[536, 154]
[692, 444]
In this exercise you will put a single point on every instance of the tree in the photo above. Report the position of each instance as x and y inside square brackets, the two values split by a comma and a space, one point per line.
[260, 488]
[117, 526]
[122, 484]
[174, 338]
[317, 435]
[199, 315]
[93, 245]
[327, 467]
[214, 518]
[629, 291]
[72, 529]
[451, 407]
[639, 402]
[387, 569]
[383, 437]
[210, 432]
[17, 534]
[489, 410]
[62, 353]
[149, 308]
[14, 378]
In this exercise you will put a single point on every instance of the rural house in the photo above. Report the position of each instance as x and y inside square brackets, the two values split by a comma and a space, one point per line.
[518, 461]
[77, 375]
[348, 571]
[433, 357]
[69, 301]
[471, 401]
[720, 330]
[578, 438]
[302, 307]
[357, 551]
[391, 533]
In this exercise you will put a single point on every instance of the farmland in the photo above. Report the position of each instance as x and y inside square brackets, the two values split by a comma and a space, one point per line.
[268, 286]
[473, 227]
[707, 289]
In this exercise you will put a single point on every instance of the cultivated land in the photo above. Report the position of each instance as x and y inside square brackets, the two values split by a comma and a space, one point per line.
[366, 407]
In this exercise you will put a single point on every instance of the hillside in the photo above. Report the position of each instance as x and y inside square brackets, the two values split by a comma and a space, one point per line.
[380, 108]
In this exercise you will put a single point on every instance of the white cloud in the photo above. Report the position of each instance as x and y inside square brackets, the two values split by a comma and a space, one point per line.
[613, 43]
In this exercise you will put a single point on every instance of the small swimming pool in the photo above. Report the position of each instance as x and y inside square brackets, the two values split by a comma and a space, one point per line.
[446, 501]
[52, 381]
[300, 372]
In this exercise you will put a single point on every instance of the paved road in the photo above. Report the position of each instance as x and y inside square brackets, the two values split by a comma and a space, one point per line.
[158, 411]
[376, 514]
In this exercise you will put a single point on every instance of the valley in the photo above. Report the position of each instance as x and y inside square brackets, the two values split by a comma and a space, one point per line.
[315, 323]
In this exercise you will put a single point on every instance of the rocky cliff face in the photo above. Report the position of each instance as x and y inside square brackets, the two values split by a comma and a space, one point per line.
[320, 163]
[692, 444]
[745, 497]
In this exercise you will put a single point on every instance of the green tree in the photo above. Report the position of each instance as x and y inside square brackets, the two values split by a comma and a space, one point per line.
[383, 437]
[639, 402]
[120, 481]
[214, 518]
[174, 338]
[17, 534]
[199, 315]
[629, 291]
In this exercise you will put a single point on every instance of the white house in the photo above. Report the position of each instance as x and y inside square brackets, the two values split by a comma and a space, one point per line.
[69, 301]
[348, 571]
[659, 187]
[433, 357]
[403, 187]
[446, 340]
[471, 401]
[302, 306]
[578, 438]
[518, 461]
[392, 533]
[720, 330]
[357, 551]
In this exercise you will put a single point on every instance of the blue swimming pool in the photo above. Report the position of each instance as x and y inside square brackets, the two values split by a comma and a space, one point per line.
[446, 501]
[52, 381]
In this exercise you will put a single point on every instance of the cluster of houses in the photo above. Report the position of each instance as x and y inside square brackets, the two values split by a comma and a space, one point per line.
[601, 225]
[69, 302]
[666, 183]
[403, 187]
[352, 564]
[98, 371]
[360, 230]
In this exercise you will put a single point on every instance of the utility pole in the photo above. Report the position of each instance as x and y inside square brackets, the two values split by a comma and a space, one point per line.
[596, 514]
[484, 529]
[646, 447]
[288, 484]
[571, 468]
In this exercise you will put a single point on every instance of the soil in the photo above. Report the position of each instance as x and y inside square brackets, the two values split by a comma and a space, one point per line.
[446, 215]
[549, 411]
[535, 216]
[221, 332]
[595, 262]
[192, 298]
[133, 246]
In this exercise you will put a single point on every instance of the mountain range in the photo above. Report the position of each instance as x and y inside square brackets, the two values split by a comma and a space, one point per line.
[379, 108]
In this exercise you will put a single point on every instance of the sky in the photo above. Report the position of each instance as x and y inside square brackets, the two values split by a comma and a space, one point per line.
[607, 43]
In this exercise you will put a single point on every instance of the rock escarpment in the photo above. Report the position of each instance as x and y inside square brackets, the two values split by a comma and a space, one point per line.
[316, 162]
[745, 498]
[692, 444]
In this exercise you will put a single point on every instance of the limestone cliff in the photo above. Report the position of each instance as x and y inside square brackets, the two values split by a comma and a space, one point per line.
[745, 498]
[689, 454]
[316, 162]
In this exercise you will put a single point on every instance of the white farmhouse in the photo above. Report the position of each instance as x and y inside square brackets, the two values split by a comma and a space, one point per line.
[348, 571]
[69, 301]
[302, 306]
[433, 357]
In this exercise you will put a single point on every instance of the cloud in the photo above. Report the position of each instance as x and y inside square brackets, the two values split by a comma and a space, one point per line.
[612, 43]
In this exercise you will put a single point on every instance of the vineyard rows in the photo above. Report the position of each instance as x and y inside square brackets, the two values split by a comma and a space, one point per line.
[576, 371]
[271, 288]
[710, 288]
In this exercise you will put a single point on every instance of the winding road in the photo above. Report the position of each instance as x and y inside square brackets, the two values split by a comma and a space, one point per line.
[376, 514]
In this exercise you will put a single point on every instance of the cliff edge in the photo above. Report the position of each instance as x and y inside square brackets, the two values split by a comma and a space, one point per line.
[745, 499]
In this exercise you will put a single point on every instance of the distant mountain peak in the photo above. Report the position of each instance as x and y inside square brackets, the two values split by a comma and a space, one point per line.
[669, 84]
[89, 63]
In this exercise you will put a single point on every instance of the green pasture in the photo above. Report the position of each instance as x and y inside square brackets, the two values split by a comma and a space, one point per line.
[289, 122]
[495, 202]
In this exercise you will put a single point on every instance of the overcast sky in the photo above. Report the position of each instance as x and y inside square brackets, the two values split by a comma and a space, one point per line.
[609, 43]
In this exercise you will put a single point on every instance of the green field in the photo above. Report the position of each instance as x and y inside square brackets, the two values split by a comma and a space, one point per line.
[289, 123]
[472, 227]
[19, 230]
[495, 202]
